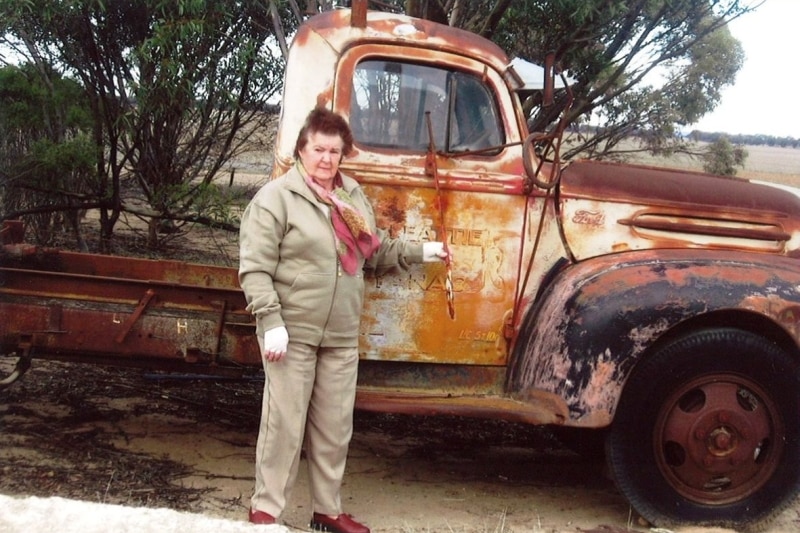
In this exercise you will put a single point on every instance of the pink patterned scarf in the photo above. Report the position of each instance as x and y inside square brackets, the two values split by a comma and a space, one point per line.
[349, 226]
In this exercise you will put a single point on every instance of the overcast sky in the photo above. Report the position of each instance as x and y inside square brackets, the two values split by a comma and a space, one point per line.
[765, 98]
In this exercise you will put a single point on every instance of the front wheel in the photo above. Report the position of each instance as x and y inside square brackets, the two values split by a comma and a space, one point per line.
[708, 432]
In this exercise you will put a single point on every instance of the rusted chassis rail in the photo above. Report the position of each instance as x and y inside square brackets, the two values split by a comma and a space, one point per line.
[165, 315]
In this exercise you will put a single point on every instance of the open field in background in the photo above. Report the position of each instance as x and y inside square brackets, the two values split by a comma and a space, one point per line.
[768, 163]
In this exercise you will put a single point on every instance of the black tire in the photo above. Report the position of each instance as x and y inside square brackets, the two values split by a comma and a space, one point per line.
[707, 432]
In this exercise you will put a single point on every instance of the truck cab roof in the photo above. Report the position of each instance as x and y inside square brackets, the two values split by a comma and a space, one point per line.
[324, 39]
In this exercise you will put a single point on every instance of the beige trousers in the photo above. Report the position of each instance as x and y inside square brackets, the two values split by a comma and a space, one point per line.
[311, 393]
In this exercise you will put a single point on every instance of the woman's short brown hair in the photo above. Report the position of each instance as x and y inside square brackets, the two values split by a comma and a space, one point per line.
[322, 120]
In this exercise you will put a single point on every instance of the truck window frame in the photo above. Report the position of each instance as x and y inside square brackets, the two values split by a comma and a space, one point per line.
[389, 100]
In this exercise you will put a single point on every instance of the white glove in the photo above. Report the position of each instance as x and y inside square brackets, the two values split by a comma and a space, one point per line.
[275, 342]
[433, 251]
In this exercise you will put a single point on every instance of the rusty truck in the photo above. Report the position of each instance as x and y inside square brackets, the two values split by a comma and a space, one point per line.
[658, 309]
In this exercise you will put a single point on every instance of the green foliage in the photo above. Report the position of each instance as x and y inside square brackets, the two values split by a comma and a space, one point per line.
[214, 202]
[722, 157]
[46, 154]
[72, 155]
[175, 88]
[32, 106]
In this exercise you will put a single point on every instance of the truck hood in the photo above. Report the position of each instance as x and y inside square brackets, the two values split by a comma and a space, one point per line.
[608, 207]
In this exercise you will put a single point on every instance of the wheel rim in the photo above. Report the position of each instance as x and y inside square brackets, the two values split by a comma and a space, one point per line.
[718, 439]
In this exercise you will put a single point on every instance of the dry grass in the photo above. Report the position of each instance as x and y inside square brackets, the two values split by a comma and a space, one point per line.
[767, 163]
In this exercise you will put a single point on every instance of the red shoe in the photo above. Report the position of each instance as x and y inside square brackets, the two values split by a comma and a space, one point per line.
[260, 517]
[344, 523]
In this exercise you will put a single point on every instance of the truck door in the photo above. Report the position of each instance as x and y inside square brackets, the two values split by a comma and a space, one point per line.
[479, 203]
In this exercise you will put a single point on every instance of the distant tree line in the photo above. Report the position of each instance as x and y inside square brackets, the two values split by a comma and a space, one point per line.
[746, 139]
[718, 153]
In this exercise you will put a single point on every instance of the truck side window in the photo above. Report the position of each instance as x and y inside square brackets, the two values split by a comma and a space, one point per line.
[390, 100]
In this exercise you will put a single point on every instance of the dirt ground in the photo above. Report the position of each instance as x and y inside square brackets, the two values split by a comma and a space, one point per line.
[133, 438]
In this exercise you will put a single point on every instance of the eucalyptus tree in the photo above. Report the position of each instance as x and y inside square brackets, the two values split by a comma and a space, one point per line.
[722, 157]
[176, 89]
[643, 69]
[46, 153]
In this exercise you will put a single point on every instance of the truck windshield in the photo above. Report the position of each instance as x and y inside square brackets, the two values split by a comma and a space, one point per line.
[390, 100]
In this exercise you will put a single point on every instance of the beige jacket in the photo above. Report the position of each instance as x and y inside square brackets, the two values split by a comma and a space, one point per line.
[289, 270]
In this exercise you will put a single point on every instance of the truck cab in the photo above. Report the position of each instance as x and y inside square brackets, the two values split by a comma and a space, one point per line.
[420, 96]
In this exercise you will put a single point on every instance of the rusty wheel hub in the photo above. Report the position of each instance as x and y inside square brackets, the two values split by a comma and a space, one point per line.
[715, 441]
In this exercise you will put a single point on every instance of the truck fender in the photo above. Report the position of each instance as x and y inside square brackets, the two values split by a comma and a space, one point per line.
[590, 326]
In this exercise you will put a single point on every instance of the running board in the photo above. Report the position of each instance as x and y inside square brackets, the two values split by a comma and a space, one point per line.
[537, 407]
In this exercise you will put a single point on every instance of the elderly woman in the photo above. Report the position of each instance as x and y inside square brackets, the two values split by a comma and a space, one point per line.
[304, 239]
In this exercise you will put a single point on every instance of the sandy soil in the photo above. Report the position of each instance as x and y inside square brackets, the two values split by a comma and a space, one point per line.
[127, 437]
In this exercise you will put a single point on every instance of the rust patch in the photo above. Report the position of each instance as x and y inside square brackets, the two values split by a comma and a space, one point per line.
[390, 214]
